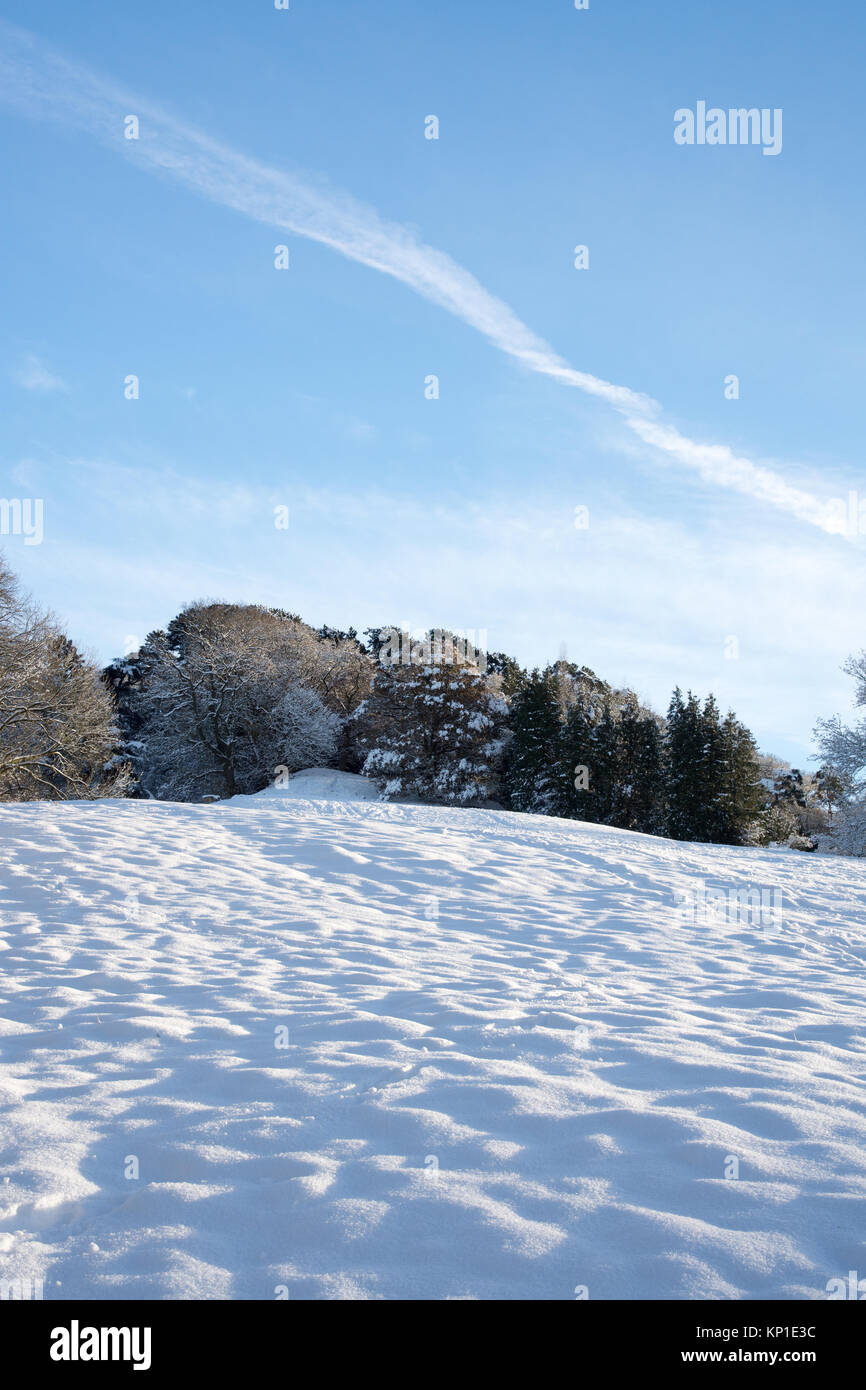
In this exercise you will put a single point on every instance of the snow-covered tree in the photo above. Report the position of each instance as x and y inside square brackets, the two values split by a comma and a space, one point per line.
[536, 779]
[713, 777]
[227, 698]
[741, 796]
[432, 731]
[685, 783]
[574, 759]
[843, 750]
[303, 732]
[584, 750]
[340, 669]
[829, 790]
[58, 733]
[638, 792]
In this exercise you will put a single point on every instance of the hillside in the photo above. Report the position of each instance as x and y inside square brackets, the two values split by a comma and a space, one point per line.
[513, 1066]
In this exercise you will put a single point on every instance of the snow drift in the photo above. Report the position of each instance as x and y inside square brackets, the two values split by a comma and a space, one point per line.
[324, 1048]
[315, 784]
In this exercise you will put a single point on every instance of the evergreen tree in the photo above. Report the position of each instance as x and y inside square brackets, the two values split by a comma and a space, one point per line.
[789, 787]
[604, 766]
[684, 759]
[433, 732]
[712, 824]
[743, 796]
[638, 802]
[573, 781]
[533, 777]
[713, 777]
[511, 673]
[126, 677]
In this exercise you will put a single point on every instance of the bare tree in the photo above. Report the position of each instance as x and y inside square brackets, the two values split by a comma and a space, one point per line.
[229, 696]
[58, 734]
[843, 750]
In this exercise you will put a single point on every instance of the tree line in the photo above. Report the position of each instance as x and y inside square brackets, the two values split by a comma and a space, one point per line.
[230, 697]
[583, 750]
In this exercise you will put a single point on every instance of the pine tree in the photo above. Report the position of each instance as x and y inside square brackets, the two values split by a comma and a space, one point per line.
[574, 786]
[789, 787]
[712, 825]
[511, 674]
[713, 787]
[603, 766]
[128, 677]
[638, 802]
[533, 777]
[743, 796]
[433, 732]
[684, 759]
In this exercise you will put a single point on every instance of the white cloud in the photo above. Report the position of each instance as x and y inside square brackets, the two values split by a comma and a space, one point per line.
[33, 375]
[646, 601]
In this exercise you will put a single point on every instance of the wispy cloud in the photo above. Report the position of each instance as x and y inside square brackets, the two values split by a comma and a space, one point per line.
[515, 568]
[719, 465]
[43, 84]
[33, 375]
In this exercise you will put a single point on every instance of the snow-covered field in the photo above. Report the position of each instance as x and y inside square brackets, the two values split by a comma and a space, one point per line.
[342, 1049]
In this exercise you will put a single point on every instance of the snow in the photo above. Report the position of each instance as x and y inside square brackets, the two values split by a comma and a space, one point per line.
[315, 784]
[516, 1063]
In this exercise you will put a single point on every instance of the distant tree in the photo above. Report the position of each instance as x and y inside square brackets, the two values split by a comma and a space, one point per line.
[712, 769]
[843, 750]
[684, 759]
[302, 731]
[829, 790]
[742, 797]
[432, 731]
[511, 673]
[778, 824]
[574, 781]
[604, 765]
[534, 772]
[227, 697]
[790, 787]
[379, 637]
[340, 671]
[638, 793]
[126, 679]
[573, 682]
[58, 733]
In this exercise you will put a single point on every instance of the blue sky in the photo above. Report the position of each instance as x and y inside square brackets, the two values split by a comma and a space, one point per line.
[305, 387]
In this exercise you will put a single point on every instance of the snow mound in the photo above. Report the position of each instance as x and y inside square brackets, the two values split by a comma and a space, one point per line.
[319, 784]
[365, 1051]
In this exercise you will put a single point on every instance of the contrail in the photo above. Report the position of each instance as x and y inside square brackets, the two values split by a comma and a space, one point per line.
[41, 83]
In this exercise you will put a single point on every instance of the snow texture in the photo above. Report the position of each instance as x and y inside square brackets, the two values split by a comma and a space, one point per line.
[317, 783]
[513, 1066]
